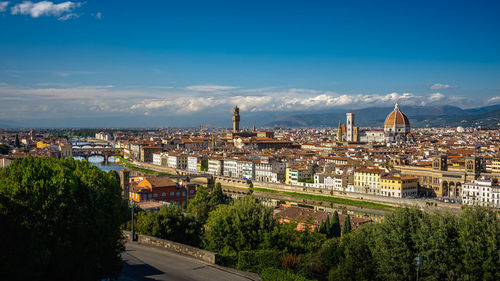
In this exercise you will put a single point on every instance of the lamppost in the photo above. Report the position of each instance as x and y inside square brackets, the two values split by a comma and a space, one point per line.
[132, 236]
[418, 263]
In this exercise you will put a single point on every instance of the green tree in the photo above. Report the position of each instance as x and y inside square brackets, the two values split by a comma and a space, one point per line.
[217, 196]
[204, 165]
[347, 225]
[335, 225]
[4, 149]
[355, 258]
[171, 224]
[395, 245]
[242, 225]
[203, 203]
[328, 227]
[437, 243]
[200, 206]
[274, 274]
[18, 143]
[479, 244]
[64, 217]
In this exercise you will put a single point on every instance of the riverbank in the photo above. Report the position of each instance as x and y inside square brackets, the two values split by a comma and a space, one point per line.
[335, 200]
[124, 162]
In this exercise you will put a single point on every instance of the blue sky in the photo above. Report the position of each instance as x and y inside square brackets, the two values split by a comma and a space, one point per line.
[174, 58]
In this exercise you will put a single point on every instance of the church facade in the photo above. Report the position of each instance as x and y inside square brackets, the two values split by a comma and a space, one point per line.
[396, 129]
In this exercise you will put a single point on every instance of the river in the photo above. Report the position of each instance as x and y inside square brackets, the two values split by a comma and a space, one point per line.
[98, 161]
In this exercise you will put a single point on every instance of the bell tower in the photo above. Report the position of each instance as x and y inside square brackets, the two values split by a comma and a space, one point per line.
[236, 119]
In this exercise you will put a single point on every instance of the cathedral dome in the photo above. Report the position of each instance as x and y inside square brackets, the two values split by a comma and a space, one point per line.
[396, 118]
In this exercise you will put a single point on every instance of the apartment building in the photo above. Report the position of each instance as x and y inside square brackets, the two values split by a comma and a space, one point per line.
[367, 180]
[398, 186]
[482, 192]
[216, 166]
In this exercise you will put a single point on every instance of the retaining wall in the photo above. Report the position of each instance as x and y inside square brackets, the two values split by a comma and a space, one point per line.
[191, 251]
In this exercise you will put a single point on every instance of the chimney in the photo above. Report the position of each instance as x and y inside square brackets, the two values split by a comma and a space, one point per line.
[125, 183]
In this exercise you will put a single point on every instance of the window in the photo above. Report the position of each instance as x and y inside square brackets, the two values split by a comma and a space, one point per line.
[163, 194]
[171, 193]
[155, 195]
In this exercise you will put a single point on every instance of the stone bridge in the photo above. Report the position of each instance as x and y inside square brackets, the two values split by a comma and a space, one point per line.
[105, 152]
[188, 176]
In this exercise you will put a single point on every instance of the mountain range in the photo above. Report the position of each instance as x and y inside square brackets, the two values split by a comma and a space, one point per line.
[419, 116]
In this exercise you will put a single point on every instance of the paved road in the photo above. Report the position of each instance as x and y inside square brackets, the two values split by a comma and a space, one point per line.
[149, 263]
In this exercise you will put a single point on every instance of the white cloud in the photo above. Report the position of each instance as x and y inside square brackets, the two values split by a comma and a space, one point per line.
[3, 5]
[46, 8]
[103, 99]
[436, 97]
[69, 16]
[439, 86]
[494, 99]
[210, 88]
[98, 15]
[289, 100]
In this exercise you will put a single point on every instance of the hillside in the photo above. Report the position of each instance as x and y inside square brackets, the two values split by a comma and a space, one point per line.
[420, 116]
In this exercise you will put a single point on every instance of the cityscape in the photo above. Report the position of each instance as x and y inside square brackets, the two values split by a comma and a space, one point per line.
[276, 145]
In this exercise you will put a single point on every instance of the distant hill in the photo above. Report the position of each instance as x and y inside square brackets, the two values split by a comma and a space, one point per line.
[420, 116]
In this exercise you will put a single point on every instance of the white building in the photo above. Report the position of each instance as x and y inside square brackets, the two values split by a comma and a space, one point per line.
[103, 136]
[216, 166]
[330, 181]
[246, 169]
[192, 163]
[231, 168]
[482, 192]
[272, 171]
[177, 161]
[160, 159]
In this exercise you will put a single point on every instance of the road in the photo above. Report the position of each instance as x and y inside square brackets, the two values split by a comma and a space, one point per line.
[149, 263]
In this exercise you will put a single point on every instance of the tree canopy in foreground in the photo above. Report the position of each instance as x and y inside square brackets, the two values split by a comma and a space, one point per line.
[60, 220]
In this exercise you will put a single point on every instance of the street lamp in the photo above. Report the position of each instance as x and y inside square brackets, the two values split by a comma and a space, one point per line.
[418, 263]
[132, 236]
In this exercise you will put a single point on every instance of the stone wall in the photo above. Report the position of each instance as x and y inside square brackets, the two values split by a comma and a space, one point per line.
[405, 202]
[191, 251]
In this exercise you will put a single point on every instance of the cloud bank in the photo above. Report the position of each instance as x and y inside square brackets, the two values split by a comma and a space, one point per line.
[3, 6]
[99, 100]
[63, 11]
[439, 86]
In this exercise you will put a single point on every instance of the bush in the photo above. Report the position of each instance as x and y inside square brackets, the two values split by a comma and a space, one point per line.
[257, 260]
[274, 274]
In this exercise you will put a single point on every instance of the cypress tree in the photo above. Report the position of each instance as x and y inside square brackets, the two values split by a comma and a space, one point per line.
[347, 225]
[327, 227]
[335, 227]
[322, 227]
[18, 143]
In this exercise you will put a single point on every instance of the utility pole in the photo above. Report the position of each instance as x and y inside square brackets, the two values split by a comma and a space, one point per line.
[418, 263]
[132, 223]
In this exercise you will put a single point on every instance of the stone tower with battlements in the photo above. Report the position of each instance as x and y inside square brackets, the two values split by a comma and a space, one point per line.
[236, 119]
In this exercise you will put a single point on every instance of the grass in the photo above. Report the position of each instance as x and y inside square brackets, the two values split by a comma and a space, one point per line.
[336, 200]
[126, 163]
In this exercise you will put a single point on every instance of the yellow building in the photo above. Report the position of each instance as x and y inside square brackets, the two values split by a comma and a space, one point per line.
[42, 144]
[294, 173]
[495, 166]
[367, 180]
[398, 186]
